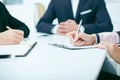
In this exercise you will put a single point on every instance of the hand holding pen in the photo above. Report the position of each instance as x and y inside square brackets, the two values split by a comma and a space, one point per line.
[12, 36]
[76, 39]
[80, 39]
[74, 36]
[19, 35]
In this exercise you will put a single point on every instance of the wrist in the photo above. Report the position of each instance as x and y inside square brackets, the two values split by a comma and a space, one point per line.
[93, 38]
[97, 38]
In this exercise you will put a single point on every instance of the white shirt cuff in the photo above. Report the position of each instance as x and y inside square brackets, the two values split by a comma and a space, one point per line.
[54, 29]
[110, 37]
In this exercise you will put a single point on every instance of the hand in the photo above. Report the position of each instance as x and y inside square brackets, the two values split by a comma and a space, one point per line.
[68, 26]
[112, 49]
[11, 37]
[81, 39]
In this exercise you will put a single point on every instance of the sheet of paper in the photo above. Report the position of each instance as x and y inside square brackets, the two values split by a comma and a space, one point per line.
[64, 42]
[70, 46]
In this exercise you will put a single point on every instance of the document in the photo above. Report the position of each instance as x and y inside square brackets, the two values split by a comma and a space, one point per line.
[64, 42]
[20, 50]
[70, 46]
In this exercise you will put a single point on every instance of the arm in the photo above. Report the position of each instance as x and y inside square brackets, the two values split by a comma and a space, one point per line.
[14, 23]
[45, 23]
[101, 21]
[113, 50]
[109, 37]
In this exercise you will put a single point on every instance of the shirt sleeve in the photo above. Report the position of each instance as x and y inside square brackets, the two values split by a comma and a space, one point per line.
[54, 29]
[109, 37]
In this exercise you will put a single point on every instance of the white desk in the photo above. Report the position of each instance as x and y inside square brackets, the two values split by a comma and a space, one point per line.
[47, 62]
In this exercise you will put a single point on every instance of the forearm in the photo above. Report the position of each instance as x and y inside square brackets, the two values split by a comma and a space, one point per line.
[44, 27]
[109, 37]
[98, 27]
[17, 24]
[114, 51]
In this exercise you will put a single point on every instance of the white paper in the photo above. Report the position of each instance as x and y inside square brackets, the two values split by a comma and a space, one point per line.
[13, 50]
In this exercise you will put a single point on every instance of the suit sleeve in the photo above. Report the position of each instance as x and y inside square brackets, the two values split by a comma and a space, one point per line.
[16, 24]
[102, 21]
[45, 23]
[119, 36]
[118, 33]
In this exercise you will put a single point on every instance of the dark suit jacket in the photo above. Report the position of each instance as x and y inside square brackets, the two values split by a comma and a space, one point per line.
[118, 33]
[7, 20]
[94, 22]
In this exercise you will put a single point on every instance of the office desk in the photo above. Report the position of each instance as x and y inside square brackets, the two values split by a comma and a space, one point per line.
[47, 62]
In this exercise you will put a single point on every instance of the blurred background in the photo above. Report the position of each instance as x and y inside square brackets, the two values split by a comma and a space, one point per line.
[30, 11]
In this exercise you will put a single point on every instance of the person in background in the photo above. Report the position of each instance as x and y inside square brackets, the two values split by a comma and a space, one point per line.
[93, 13]
[17, 30]
[106, 40]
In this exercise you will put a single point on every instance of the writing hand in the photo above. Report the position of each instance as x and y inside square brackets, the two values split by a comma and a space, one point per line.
[11, 36]
[81, 39]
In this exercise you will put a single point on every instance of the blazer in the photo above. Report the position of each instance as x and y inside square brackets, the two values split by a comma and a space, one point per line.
[7, 20]
[118, 33]
[93, 13]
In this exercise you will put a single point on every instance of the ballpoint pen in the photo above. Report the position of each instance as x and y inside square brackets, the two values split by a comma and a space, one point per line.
[78, 30]
[79, 26]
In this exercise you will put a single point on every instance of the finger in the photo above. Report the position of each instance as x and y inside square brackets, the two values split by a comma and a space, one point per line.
[17, 41]
[18, 36]
[101, 46]
[83, 43]
[77, 37]
[62, 30]
[13, 40]
[63, 23]
[61, 33]
[61, 27]
[77, 43]
[71, 35]
[69, 21]
[19, 32]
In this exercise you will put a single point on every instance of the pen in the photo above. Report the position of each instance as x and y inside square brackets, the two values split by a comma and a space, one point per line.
[79, 26]
[78, 31]
[9, 28]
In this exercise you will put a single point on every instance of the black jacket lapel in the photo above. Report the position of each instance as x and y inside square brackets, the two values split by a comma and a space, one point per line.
[69, 9]
[80, 5]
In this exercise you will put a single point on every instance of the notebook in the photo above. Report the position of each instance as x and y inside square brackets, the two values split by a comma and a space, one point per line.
[20, 50]
[64, 42]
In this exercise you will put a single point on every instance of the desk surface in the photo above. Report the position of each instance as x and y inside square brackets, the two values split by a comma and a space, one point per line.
[47, 62]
